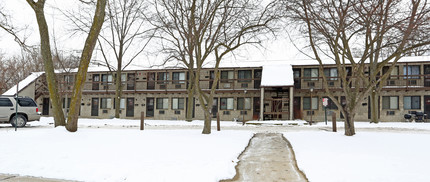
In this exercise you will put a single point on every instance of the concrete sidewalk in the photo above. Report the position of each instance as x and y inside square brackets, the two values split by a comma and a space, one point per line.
[268, 157]
[16, 178]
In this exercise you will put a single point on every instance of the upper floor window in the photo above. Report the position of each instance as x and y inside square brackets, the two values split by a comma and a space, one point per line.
[330, 73]
[162, 76]
[310, 74]
[107, 79]
[411, 70]
[227, 76]
[178, 76]
[394, 72]
[244, 75]
[68, 78]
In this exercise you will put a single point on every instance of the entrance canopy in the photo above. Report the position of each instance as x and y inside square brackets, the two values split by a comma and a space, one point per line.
[277, 76]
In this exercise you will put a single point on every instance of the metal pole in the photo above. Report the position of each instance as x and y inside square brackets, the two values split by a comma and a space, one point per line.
[310, 123]
[16, 107]
[218, 128]
[142, 123]
[333, 120]
[325, 114]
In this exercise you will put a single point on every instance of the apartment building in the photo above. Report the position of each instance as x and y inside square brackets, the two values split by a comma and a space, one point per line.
[291, 90]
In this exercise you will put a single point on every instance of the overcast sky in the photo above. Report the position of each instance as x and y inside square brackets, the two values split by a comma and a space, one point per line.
[23, 15]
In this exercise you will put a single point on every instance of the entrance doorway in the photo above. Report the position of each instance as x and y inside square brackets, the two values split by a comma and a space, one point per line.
[427, 105]
[94, 106]
[149, 107]
[45, 110]
[130, 107]
[296, 108]
[256, 110]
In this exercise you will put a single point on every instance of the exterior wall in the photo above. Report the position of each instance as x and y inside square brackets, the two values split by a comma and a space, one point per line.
[398, 85]
[28, 91]
[162, 89]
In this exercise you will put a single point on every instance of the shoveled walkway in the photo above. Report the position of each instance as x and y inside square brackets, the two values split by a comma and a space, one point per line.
[268, 157]
[15, 178]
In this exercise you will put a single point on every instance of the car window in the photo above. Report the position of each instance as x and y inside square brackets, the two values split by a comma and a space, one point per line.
[5, 102]
[26, 102]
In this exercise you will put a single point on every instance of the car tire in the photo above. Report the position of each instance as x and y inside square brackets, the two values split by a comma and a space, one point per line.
[20, 119]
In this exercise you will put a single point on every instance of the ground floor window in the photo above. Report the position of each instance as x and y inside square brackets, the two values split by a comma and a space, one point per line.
[412, 102]
[106, 103]
[390, 102]
[177, 103]
[226, 103]
[307, 102]
[243, 103]
[121, 103]
[162, 103]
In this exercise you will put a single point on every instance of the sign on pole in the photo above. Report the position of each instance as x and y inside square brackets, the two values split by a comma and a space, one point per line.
[325, 102]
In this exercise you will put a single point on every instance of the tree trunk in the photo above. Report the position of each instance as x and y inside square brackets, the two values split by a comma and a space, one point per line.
[207, 123]
[374, 107]
[349, 124]
[72, 119]
[190, 101]
[48, 63]
[118, 92]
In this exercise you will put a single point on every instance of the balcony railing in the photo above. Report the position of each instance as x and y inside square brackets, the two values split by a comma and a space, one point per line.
[393, 82]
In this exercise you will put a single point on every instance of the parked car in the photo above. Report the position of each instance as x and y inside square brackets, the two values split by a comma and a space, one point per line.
[27, 110]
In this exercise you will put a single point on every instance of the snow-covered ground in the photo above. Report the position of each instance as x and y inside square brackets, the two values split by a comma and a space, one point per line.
[175, 150]
[367, 156]
[121, 154]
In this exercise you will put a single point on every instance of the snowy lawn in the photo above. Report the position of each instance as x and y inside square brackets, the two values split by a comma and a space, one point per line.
[46, 121]
[121, 154]
[367, 156]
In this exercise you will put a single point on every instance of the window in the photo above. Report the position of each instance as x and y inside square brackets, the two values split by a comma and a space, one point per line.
[162, 76]
[411, 70]
[243, 103]
[310, 74]
[244, 75]
[178, 76]
[330, 72]
[106, 103]
[226, 103]
[390, 102]
[394, 72]
[68, 78]
[26, 102]
[331, 104]
[162, 103]
[227, 76]
[177, 103]
[121, 103]
[5, 102]
[123, 78]
[412, 102]
[68, 103]
[107, 79]
[307, 103]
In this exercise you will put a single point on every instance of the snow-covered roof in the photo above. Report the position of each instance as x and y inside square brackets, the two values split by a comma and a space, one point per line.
[277, 75]
[24, 83]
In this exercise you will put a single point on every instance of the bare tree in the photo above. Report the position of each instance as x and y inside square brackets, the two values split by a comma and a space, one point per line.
[385, 30]
[87, 52]
[199, 32]
[125, 36]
